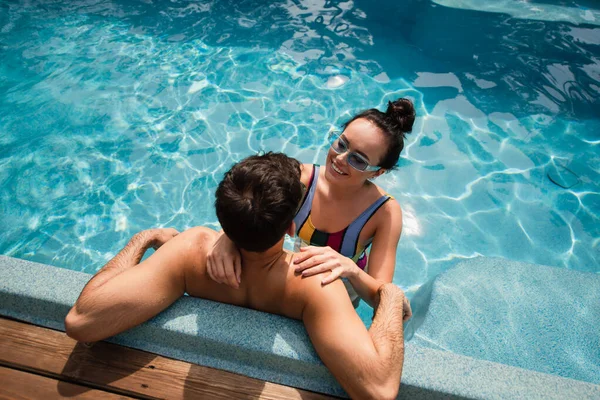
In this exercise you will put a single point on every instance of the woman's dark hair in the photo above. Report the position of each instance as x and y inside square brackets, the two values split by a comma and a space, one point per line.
[257, 199]
[394, 123]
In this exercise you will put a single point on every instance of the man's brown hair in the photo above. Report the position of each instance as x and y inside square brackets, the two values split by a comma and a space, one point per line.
[257, 199]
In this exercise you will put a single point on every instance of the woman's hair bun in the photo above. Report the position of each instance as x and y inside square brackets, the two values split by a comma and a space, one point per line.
[402, 114]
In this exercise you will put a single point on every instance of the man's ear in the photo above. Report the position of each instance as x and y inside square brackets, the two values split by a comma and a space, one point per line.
[292, 229]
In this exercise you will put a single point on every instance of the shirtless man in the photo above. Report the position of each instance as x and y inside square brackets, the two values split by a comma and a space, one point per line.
[255, 204]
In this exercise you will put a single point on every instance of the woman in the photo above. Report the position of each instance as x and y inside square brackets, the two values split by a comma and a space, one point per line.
[343, 213]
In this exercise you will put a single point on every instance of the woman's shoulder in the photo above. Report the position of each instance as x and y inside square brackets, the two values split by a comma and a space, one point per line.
[391, 207]
[306, 171]
[388, 217]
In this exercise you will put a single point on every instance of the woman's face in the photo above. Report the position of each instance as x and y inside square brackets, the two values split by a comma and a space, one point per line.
[363, 138]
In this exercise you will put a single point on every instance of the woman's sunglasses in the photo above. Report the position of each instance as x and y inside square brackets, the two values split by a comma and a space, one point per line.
[355, 160]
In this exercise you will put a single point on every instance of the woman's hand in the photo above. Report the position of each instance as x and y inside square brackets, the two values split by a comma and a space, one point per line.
[224, 263]
[314, 260]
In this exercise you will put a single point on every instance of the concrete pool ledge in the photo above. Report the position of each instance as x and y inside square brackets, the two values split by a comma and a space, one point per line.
[268, 347]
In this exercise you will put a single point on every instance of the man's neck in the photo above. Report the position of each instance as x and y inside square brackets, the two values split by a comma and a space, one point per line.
[265, 259]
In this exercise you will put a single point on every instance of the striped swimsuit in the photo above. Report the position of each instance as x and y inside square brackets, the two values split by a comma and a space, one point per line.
[345, 241]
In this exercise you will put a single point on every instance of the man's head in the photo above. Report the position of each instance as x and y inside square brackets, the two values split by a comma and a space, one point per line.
[257, 199]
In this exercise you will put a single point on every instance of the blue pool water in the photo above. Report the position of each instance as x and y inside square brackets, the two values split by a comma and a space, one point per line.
[116, 116]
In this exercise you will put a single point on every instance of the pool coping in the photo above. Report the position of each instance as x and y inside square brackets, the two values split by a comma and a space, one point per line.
[266, 346]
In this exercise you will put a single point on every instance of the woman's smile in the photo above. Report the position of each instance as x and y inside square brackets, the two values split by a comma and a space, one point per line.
[337, 169]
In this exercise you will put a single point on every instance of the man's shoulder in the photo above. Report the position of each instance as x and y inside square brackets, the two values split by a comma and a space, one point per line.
[310, 291]
[197, 239]
[200, 232]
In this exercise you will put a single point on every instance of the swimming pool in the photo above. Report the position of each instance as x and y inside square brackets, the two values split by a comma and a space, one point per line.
[118, 116]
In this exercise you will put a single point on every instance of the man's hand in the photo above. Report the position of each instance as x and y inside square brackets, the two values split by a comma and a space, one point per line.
[392, 291]
[159, 236]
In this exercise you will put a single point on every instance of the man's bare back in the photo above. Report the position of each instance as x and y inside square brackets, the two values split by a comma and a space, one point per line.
[127, 292]
[268, 284]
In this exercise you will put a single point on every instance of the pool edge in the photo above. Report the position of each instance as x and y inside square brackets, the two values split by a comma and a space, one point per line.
[280, 353]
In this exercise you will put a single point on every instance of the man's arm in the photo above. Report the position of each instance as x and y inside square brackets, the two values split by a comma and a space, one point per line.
[125, 293]
[368, 364]
[129, 256]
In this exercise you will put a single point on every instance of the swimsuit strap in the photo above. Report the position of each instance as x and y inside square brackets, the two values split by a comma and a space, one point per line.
[345, 241]
[350, 245]
[304, 211]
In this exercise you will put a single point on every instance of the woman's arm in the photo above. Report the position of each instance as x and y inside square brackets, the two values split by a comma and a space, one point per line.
[382, 258]
[314, 260]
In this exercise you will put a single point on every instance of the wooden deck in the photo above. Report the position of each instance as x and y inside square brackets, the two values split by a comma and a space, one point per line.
[40, 363]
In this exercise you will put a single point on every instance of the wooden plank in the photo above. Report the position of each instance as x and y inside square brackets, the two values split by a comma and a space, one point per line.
[127, 371]
[16, 384]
